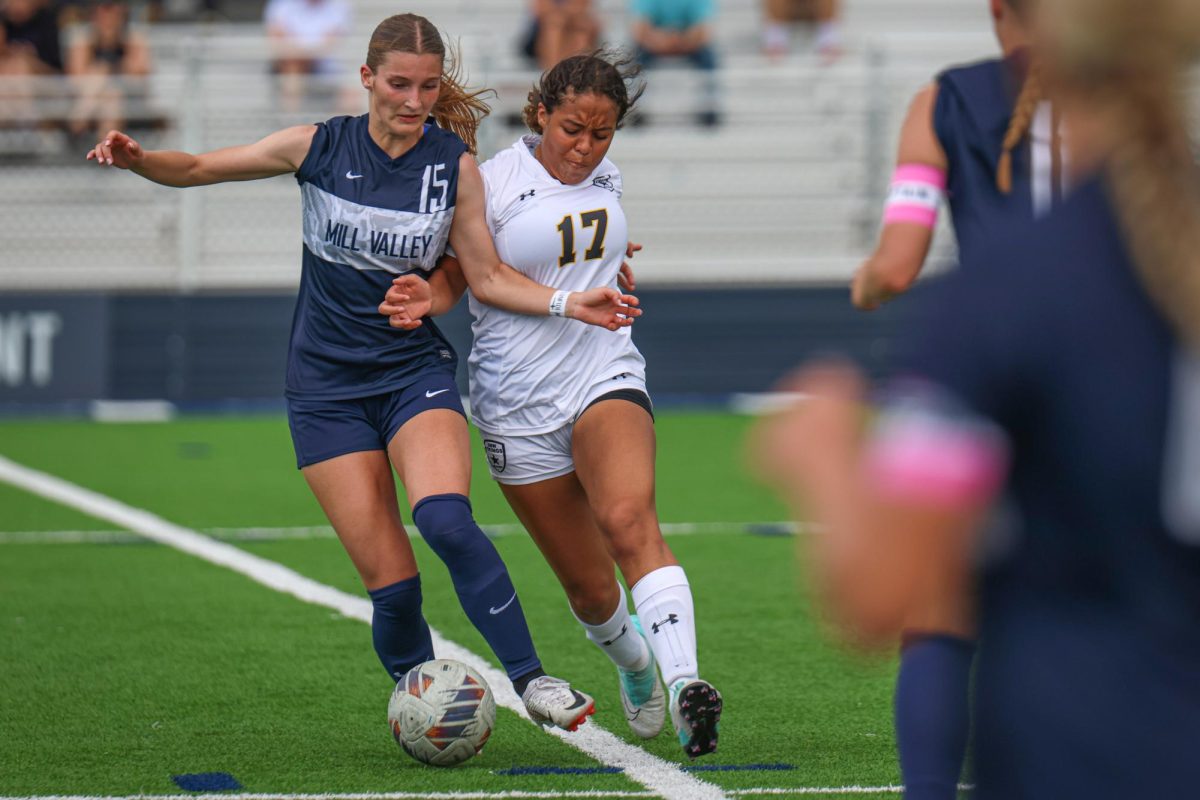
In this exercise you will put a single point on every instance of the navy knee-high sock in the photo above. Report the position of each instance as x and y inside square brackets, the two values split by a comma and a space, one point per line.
[480, 579]
[398, 629]
[933, 716]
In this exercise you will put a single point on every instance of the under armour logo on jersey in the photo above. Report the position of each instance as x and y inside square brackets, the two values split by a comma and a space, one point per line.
[670, 620]
[624, 630]
[527, 195]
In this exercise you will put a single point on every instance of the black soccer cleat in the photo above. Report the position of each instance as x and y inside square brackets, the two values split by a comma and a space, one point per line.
[696, 712]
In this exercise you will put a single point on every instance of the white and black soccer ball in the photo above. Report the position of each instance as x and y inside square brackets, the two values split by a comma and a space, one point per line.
[442, 712]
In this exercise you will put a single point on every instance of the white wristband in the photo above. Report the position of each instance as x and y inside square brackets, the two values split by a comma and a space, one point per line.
[558, 304]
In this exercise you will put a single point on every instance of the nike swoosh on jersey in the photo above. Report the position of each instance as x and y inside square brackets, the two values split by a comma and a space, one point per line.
[510, 600]
[350, 174]
[435, 394]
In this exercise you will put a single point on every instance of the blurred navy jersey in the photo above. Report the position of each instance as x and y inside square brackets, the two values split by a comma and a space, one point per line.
[367, 219]
[1088, 682]
[971, 117]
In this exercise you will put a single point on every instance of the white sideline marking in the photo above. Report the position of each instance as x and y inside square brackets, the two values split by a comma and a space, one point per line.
[261, 534]
[661, 777]
[503, 795]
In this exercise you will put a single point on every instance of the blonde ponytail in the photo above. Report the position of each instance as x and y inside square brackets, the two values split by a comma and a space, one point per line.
[1019, 126]
[459, 109]
[1130, 58]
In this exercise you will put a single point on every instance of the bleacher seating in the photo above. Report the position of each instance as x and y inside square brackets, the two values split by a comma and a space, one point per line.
[787, 190]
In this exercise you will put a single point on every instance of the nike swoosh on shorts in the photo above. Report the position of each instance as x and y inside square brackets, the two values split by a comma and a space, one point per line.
[435, 394]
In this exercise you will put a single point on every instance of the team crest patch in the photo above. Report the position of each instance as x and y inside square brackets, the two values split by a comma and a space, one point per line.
[495, 454]
[604, 182]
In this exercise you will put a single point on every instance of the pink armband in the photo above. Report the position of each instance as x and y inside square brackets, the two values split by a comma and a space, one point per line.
[943, 463]
[916, 195]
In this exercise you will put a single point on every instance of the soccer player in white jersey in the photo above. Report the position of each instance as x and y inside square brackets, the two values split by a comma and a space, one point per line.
[566, 419]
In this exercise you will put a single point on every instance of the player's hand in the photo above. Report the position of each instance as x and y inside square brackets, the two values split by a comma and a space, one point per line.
[863, 294]
[408, 299]
[117, 150]
[603, 306]
[625, 280]
[814, 431]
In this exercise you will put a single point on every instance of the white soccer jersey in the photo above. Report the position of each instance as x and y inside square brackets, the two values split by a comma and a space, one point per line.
[531, 374]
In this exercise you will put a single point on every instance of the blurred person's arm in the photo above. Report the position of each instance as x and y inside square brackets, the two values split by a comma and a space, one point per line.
[280, 153]
[898, 506]
[137, 55]
[699, 33]
[903, 245]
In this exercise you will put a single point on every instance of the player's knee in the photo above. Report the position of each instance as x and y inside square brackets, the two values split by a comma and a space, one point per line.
[630, 526]
[448, 527]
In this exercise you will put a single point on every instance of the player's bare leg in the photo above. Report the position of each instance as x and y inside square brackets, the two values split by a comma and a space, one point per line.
[614, 447]
[557, 515]
[358, 494]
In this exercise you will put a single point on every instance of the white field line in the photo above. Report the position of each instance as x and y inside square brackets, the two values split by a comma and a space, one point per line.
[587, 794]
[263, 534]
[660, 776]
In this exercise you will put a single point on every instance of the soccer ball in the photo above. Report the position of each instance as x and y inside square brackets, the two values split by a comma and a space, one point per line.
[442, 712]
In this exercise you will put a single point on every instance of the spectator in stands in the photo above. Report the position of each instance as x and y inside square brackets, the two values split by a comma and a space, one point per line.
[781, 14]
[105, 52]
[29, 43]
[679, 29]
[559, 29]
[304, 36]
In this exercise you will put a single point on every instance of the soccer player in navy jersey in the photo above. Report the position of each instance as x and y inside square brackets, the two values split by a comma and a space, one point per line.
[1059, 368]
[383, 193]
[984, 138]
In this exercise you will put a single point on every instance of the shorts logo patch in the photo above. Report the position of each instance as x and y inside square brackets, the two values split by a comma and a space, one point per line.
[495, 454]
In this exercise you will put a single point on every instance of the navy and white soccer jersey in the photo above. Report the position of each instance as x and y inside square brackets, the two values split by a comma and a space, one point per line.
[533, 375]
[367, 219]
[1088, 683]
[971, 117]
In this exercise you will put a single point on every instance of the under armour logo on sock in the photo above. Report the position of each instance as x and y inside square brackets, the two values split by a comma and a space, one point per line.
[624, 630]
[670, 620]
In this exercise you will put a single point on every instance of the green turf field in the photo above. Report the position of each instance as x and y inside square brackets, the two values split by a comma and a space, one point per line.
[124, 663]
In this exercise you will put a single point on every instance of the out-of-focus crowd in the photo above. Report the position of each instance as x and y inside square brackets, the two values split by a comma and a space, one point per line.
[101, 47]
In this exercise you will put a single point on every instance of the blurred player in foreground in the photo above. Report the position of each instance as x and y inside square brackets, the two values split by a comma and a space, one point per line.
[1062, 363]
[966, 138]
[382, 195]
[567, 422]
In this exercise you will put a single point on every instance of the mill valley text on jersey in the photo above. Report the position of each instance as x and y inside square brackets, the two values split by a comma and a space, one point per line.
[367, 218]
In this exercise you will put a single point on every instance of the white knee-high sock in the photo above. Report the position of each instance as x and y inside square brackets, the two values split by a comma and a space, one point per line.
[663, 600]
[619, 639]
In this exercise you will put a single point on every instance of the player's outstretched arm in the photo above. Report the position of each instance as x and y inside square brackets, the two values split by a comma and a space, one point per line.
[911, 213]
[278, 154]
[497, 284]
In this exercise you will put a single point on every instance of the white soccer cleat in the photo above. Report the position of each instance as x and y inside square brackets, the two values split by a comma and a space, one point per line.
[695, 711]
[552, 701]
[642, 695]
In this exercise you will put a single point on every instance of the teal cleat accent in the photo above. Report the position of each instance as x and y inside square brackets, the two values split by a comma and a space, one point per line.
[642, 695]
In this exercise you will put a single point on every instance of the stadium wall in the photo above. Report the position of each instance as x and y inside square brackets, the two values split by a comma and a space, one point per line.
[208, 351]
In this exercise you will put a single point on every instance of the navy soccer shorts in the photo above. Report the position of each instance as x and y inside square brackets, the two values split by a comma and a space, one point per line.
[325, 429]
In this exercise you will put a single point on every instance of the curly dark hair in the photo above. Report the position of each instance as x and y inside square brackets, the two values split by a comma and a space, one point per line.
[608, 73]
